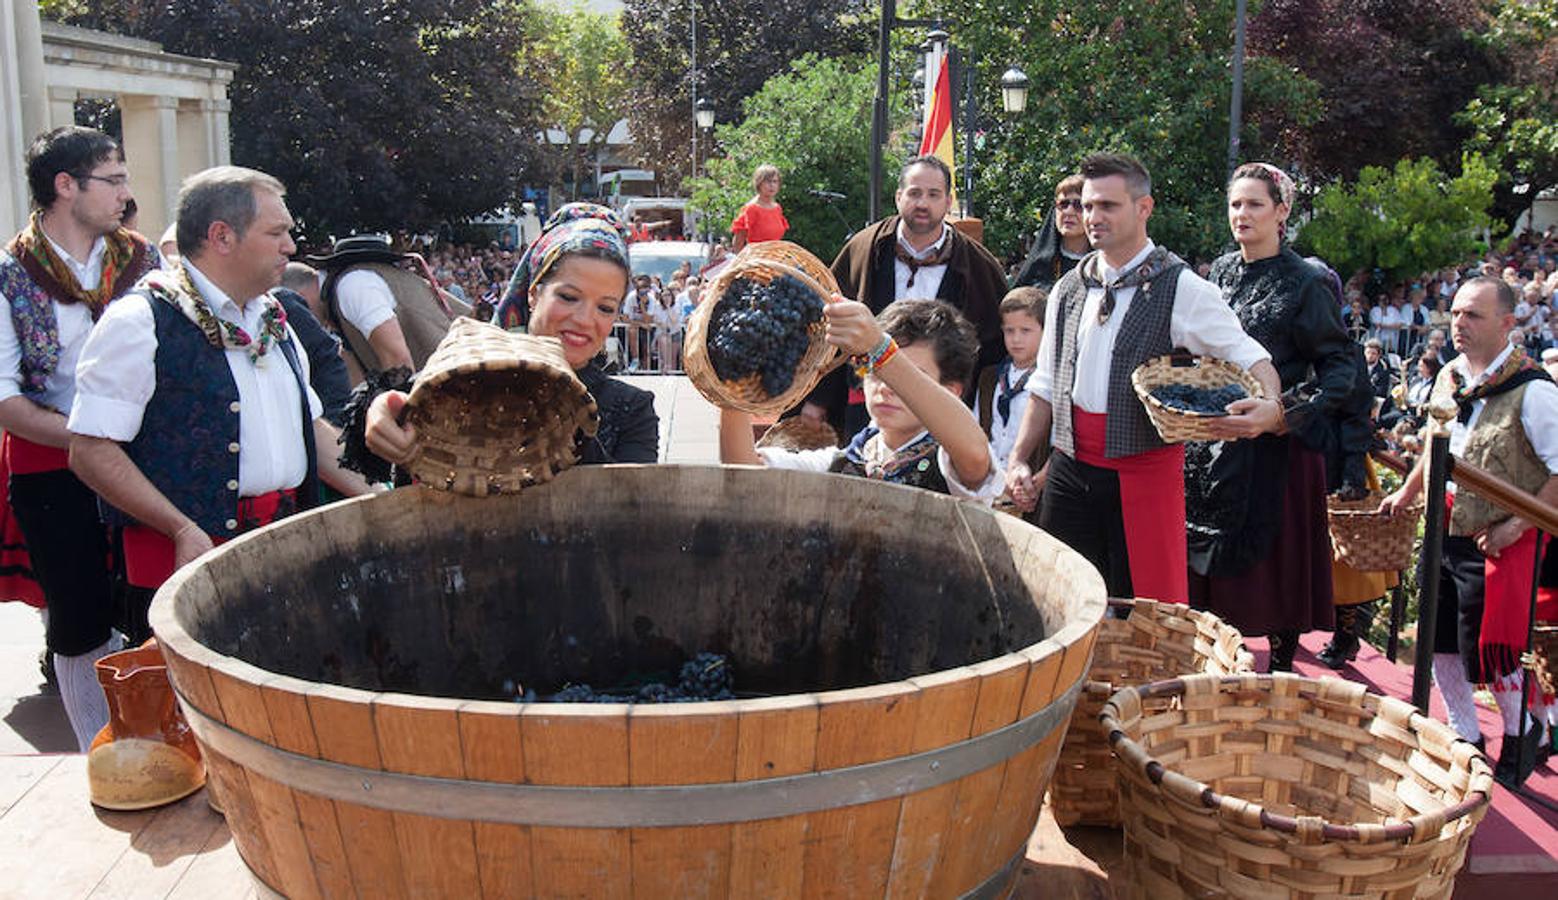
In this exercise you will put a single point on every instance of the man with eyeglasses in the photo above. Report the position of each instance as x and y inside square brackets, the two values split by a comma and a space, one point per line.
[56, 277]
[915, 254]
[1061, 242]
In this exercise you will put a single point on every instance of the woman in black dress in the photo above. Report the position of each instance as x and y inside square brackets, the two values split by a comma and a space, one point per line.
[570, 286]
[1259, 549]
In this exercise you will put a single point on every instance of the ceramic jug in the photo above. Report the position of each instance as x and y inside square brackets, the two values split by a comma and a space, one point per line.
[146, 755]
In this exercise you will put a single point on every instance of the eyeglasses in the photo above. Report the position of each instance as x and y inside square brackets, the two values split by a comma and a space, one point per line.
[117, 181]
[1069, 203]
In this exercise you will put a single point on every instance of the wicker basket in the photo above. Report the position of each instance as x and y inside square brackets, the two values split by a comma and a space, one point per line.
[1369, 541]
[1157, 641]
[1544, 657]
[495, 412]
[761, 262]
[1282, 786]
[1177, 425]
[799, 433]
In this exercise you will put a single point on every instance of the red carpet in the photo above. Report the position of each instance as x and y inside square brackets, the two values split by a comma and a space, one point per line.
[1516, 836]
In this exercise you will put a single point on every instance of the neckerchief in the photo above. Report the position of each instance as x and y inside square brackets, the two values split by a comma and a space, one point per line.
[1151, 267]
[36, 254]
[940, 258]
[1006, 390]
[1516, 369]
[178, 288]
[882, 462]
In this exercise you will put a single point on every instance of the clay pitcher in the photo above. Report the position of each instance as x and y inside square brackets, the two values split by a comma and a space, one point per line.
[146, 755]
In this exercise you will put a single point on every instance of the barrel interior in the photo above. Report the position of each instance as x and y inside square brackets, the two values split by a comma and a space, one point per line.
[617, 574]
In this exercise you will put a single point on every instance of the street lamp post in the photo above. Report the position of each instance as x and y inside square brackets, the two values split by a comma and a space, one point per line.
[1014, 91]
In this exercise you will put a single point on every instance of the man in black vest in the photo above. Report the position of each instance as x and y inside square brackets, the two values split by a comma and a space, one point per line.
[914, 255]
[57, 276]
[193, 415]
[1114, 491]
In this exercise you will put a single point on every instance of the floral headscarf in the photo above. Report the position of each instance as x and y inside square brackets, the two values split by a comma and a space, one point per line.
[574, 227]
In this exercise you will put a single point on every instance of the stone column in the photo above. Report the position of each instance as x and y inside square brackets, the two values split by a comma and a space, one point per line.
[62, 106]
[33, 99]
[194, 138]
[217, 112]
[151, 149]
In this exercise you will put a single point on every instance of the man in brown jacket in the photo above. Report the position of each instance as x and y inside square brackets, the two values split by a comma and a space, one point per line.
[914, 255]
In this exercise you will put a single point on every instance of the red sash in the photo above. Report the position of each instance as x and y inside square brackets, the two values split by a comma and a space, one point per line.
[22, 457]
[148, 553]
[1152, 503]
[1506, 602]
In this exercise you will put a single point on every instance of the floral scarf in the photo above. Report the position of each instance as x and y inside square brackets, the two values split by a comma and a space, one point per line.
[574, 227]
[178, 289]
[1516, 369]
[35, 277]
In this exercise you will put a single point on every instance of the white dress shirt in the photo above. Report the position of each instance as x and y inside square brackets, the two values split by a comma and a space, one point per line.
[75, 321]
[117, 376]
[365, 300]
[1538, 414]
[822, 459]
[1003, 435]
[1201, 322]
[927, 280]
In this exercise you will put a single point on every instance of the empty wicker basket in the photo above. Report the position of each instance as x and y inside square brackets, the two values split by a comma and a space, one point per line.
[1369, 541]
[1157, 641]
[761, 262]
[1178, 425]
[495, 412]
[1282, 786]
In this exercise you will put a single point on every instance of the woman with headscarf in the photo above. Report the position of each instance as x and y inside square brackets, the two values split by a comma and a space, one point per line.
[1259, 549]
[568, 286]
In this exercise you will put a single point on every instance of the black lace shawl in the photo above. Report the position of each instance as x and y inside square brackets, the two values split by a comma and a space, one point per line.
[1234, 490]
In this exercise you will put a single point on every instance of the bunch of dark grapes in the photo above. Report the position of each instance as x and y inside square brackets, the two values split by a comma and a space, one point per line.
[763, 329]
[1198, 399]
[704, 677]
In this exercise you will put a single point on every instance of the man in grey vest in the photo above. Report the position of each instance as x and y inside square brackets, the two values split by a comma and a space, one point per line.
[1112, 490]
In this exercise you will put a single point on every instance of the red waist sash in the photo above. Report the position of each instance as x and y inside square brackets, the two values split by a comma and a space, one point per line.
[148, 553]
[24, 457]
[1152, 504]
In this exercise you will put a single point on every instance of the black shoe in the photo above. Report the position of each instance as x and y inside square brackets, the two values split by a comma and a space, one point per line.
[1505, 772]
[1545, 752]
[1481, 743]
[1342, 648]
[1284, 644]
[46, 669]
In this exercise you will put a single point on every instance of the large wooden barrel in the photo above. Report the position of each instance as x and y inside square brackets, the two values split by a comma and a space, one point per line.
[907, 665]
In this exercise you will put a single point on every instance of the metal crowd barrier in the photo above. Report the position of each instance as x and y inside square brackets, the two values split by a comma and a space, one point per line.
[647, 359]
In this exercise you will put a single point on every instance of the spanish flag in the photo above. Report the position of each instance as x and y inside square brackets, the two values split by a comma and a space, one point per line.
[937, 138]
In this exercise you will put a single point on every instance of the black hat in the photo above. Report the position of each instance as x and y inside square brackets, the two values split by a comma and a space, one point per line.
[359, 248]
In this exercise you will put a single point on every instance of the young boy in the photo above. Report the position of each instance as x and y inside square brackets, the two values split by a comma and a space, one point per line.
[916, 358]
[1001, 398]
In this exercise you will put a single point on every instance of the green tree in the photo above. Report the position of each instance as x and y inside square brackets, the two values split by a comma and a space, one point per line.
[832, 97]
[741, 44]
[1138, 76]
[1404, 221]
[1515, 121]
[376, 113]
[582, 62]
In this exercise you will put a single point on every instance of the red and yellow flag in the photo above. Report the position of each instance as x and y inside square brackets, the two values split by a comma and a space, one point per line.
[937, 135]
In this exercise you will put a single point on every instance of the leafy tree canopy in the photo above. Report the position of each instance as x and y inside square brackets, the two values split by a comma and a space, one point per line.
[1404, 221]
[1137, 76]
[375, 113]
[741, 44]
[583, 64]
[832, 97]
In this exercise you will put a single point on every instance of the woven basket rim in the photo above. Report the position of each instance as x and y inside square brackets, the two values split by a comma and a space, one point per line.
[1404, 829]
[1144, 391]
[1358, 508]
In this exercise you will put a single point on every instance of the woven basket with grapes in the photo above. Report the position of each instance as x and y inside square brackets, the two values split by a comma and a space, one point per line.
[756, 341]
[1183, 394]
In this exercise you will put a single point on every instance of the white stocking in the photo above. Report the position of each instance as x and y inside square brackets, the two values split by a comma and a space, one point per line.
[1507, 692]
[81, 693]
[1450, 676]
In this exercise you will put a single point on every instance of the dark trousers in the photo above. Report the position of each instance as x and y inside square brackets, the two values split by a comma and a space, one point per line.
[69, 549]
[1462, 581]
[1081, 508]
